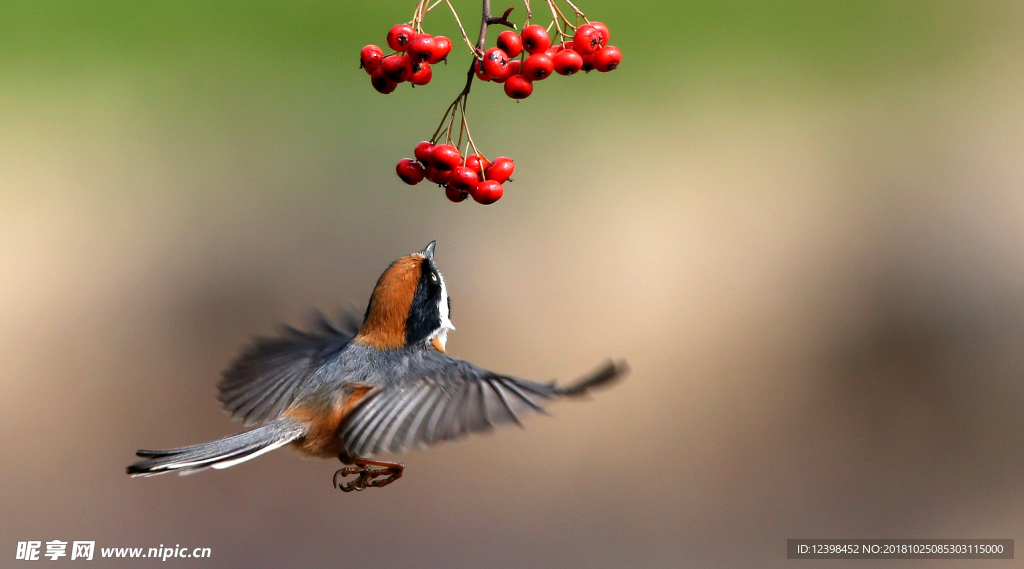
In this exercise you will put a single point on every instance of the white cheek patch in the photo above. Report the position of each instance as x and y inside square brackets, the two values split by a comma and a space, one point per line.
[442, 307]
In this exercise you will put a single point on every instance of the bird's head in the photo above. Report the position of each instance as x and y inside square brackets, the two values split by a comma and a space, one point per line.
[409, 305]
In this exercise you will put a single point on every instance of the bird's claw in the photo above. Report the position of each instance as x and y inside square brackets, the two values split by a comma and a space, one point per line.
[368, 477]
[348, 486]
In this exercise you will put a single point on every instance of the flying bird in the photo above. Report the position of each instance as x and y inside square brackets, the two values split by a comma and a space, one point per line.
[353, 391]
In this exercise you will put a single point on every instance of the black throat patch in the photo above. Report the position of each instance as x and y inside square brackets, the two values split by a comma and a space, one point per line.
[424, 314]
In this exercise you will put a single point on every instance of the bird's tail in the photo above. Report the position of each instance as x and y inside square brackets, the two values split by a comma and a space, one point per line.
[605, 374]
[220, 453]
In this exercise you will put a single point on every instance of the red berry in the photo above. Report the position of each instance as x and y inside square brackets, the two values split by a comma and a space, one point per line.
[603, 30]
[434, 175]
[518, 87]
[454, 196]
[381, 83]
[422, 152]
[410, 171]
[607, 58]
[421, 47]
[496, 63]
[538, 66]
[477, 164]
[400, 36]
[512, 69]
[588, 62]
[510, 43]
[479, 69]
[421, 73]
[442, 46]
[556, 49]
[444, 157]
[397, 68]
[488, 192]
[587, 39]
[501, 170]
[535, 38]
[370, 58]
[463, 179]
[567, 62]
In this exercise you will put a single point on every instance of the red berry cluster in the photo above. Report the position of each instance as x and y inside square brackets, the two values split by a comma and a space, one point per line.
[588, 50]
[461, 177]
[414, 54]
[518, 60]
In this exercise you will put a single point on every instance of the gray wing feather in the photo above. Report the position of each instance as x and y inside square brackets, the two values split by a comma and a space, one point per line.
[265, 379]
[400, 425]
[387, 415]
[438, 398]
[512, 414]
[373, 413]
[425, 417]
[516, 388]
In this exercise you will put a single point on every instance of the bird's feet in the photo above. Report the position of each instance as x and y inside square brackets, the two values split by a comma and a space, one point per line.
[371, 474]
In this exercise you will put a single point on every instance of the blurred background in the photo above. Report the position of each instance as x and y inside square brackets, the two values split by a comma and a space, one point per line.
[801, 222]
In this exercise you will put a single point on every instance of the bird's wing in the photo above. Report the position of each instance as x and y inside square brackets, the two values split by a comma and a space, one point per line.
[264, 380]
[440, 398]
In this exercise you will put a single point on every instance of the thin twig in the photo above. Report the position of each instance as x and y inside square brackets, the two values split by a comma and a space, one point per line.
[554, 18]
[462, 124]
[461, 29]
[577, 10]
[417, 16]
[459, 104]
[502, 19]
[444, 117]
[468, 135]
[554, 9]
[451, 121]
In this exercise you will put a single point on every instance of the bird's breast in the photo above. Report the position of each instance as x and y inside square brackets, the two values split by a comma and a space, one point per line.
[323, 419]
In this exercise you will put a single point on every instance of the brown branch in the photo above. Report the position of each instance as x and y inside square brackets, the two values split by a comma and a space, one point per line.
[486, 19]
[502, 20]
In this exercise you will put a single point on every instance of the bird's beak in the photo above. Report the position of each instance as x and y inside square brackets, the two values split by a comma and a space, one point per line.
[428, 251]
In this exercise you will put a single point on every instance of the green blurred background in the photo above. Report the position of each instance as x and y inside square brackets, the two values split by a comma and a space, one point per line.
[802, 222]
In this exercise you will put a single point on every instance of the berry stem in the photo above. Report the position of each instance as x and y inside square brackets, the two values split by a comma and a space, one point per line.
[462, 124]
[461, 29]
[422, 10]
[417, 16]
[450, 109]
[529, 13]
[554, 18]
[459, 104]
[577, 10]
[465, 125]
[565, 21]
[451, 122]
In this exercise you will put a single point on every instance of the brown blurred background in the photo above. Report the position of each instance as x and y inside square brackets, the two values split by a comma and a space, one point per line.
[801, 222]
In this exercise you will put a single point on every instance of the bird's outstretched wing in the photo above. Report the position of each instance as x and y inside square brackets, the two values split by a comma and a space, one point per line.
[440, 398]
[264, 380]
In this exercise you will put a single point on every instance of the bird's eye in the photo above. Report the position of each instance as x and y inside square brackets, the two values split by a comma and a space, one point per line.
[433, 277]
